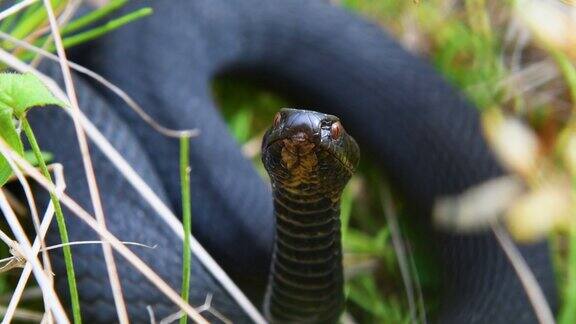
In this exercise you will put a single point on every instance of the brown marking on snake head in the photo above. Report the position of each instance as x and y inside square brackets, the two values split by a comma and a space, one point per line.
[298, 155]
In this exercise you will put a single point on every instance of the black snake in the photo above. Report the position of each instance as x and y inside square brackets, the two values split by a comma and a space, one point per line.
[403, 114]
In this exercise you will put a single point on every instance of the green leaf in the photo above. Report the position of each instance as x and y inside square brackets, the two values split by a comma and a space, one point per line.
[9, 133]
[31, 157]
[24, 91]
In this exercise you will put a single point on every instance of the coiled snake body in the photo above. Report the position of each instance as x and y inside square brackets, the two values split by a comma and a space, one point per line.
[402, 113]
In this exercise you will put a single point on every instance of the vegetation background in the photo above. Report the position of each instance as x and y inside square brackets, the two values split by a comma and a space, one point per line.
[513, 59]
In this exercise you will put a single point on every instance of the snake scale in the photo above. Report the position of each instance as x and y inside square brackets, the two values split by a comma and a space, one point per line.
[405, 117]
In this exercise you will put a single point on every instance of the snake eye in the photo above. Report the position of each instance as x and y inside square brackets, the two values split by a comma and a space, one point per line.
[277, 119]
[336, 130]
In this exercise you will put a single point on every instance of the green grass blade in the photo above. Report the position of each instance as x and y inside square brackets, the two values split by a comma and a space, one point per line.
[71, 276]
[104, 29]
[568, 71]
[186, 219]
[8, 22]
[93, 16]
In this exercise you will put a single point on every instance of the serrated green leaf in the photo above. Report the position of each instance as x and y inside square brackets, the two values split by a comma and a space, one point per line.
[10, 135]
[24, 91]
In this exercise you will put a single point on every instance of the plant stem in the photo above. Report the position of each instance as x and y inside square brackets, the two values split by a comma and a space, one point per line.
[104, 29]
[568, 312]
[93, 33]
[71, 276]
[186, 219]
[93, 16]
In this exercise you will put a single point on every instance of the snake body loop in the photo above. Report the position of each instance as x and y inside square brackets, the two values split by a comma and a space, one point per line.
[309, 158]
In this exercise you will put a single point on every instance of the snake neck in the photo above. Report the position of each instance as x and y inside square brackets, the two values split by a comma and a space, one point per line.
[306, 282]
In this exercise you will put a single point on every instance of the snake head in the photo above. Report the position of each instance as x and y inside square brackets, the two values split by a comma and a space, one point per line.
[304, 144]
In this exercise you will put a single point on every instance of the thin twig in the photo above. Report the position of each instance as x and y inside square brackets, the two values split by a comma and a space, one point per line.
[46, 220]
[35, 220]
[206, 307]
[419, 293]
[33, 211]
[88, 168]
[151, 314]
[26, 250]
[57, 246]
[16, 8]
[16, 295]
[400, 248]
[529, 282]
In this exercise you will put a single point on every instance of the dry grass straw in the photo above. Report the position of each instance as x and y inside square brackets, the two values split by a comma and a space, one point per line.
[88, 168]
[526, 276]
[401, 254]
[25, 249]
[39, 244]
[46, 220]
